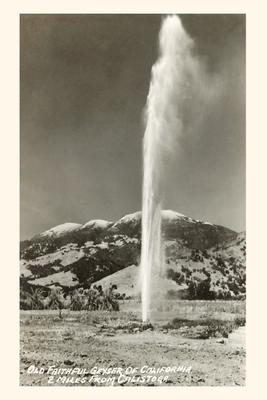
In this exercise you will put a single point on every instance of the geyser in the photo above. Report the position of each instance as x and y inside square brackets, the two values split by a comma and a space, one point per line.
[173, 78]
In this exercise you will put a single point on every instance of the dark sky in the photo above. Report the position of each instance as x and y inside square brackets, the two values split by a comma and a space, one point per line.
[84, 82]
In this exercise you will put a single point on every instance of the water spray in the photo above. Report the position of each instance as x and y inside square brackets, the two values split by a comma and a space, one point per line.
[170, 78]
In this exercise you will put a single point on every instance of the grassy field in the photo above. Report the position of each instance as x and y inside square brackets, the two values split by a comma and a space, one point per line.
[190, 309]
[203, 339]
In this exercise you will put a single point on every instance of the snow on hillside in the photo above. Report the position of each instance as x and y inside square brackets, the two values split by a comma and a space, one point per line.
[171, 215]
[61, 229]
[134, 217]
[96, 223]
[168, 215]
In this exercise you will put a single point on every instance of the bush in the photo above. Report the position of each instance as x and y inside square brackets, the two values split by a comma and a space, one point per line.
[56, 300]
[32, 299]
[94, 299]
[178, 277]
[206, 328]
[200, 290]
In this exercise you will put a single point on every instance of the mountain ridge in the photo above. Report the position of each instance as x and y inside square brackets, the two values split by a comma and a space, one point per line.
[78, 255]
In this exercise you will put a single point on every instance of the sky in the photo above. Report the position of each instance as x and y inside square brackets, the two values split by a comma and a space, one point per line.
[84, 81]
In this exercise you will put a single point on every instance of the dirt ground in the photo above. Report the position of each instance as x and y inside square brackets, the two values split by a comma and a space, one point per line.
[83, 342]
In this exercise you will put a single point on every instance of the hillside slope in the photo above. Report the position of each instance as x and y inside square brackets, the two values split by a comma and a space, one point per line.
[78, 255]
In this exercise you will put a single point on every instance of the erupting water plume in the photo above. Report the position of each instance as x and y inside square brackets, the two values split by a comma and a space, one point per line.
[175, 77]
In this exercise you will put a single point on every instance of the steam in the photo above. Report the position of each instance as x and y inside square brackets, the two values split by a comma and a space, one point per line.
[180, 88]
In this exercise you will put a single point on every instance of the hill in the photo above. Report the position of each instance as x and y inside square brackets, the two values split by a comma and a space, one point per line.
[202, 259]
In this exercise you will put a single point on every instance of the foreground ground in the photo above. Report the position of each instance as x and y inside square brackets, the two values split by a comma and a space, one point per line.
[81, 343]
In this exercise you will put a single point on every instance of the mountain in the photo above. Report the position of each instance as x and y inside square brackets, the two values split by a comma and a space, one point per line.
[61, 230]
[74, 255]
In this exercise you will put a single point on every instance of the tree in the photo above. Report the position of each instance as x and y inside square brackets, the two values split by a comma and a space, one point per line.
[77, 302]
[32, 299]
[55, 300]
[200, 290]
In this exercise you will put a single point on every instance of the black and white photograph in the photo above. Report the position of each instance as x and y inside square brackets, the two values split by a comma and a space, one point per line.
[132, 200]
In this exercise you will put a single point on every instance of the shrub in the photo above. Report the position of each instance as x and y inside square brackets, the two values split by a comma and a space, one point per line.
[94, 299]
[200, 290]
[32, 299]
[55, 300]
[178, 277]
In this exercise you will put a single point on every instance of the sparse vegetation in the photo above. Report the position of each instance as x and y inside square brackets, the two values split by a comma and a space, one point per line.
[204, 328]
[94, 298]
[104, 338]
[200, 290]
[33, 299]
